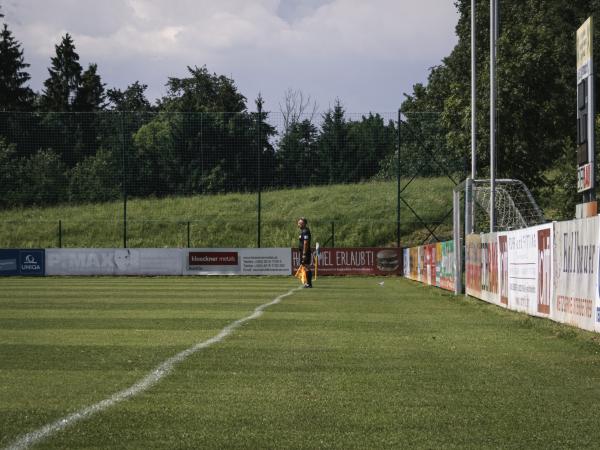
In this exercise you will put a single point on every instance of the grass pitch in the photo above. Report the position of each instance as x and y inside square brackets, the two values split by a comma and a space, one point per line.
[349, 364]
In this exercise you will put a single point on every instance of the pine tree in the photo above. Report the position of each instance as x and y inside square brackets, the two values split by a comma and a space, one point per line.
[14, 95]
[333, 142]
[65, 77]
[90, 92]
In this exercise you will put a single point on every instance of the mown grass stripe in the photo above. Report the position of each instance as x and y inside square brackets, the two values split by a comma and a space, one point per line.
[142, 385]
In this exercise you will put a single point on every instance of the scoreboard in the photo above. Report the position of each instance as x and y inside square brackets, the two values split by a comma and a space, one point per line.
[585, 111]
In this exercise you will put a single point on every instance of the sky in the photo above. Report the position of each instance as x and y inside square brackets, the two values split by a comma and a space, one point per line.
[366, 53]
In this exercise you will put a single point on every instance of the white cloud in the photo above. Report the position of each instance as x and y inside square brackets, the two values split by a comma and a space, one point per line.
[364, 52]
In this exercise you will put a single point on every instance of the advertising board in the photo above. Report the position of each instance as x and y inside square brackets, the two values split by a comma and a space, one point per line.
[406, 262]
[473, 265]
[503, 268]
[545, 236]
[584, 177]
[236, 261]
[111, 261]
[356, 261]
[422, 264]
[489, 268]
[414, 263]
[22, 262]
[525, 256]
[430, 252]
[576, 273]
[438, 264]
[447, 273]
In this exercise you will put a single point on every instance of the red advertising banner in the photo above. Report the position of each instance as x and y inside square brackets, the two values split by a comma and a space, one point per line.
[430, 259]
[584, 177]
[544, 270]
[355, 261]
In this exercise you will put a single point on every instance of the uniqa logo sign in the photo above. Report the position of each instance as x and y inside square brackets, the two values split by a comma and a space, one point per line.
[30, 263]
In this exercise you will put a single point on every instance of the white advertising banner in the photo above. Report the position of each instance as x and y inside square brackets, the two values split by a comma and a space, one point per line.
[110, 261]
[530, 270]
[576, 273]
[406, 262]
[236, 261]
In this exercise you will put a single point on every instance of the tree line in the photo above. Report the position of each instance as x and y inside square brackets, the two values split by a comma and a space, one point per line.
[77, 141]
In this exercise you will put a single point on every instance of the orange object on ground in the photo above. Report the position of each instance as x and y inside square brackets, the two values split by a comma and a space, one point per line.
[301, 274]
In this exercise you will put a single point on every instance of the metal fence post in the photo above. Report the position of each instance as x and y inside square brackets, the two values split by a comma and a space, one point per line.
[202, 155]
[469, 224]
[258, 145]
[60, 234]
[188, 234]
[332, 234]
[457, 243]
[398, 184]
[124, 181]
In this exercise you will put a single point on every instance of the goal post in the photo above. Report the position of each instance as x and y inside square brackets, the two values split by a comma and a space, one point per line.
[514, 208]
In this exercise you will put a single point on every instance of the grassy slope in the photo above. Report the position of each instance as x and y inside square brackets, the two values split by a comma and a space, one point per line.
[364, 215]
[348, 364]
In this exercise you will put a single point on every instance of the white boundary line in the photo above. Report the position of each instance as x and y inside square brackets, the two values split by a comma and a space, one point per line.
[142, 385]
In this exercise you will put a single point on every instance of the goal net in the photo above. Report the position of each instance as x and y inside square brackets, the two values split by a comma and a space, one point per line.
[515, 207]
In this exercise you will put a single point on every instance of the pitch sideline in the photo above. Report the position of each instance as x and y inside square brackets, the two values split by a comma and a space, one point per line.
[144, 384]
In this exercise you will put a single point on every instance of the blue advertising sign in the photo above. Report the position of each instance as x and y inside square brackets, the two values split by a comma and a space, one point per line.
[29, 262]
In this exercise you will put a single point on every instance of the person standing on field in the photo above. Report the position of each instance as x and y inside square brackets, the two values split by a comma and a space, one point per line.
[304, 249]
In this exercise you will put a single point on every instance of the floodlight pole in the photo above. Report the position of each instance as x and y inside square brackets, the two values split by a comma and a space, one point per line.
[469, 203]
[493, 37]
[473, 92]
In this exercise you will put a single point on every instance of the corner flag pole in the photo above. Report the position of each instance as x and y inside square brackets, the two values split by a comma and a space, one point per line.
[316, 260]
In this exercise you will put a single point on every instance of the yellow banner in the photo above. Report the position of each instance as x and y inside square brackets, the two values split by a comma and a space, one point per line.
[584, 43]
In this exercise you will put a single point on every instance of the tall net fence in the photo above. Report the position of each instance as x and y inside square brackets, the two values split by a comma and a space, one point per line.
[428, 173]
[110, 179]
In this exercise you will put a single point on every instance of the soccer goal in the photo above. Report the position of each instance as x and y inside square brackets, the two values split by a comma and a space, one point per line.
[514, 208]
